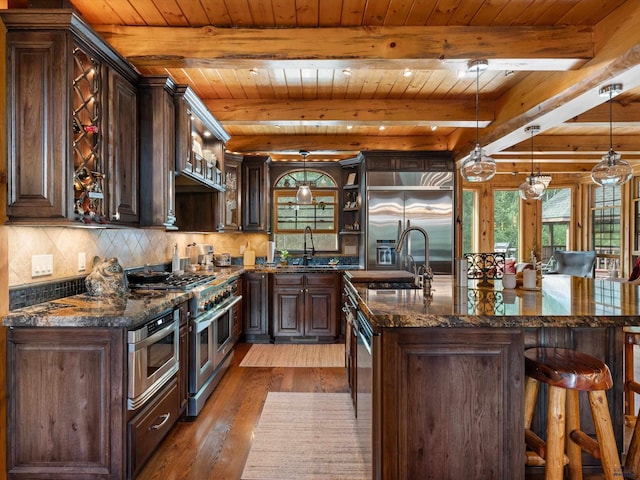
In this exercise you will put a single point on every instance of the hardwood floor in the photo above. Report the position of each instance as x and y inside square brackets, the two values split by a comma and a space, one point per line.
[216, 444]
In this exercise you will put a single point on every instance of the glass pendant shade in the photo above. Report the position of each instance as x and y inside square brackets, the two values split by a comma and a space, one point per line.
[479, 167]
[303, 196]
[531, 189]
[611, 170]
[534, 186]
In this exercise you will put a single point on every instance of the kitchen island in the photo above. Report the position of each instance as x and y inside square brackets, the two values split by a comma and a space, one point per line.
[448, 370]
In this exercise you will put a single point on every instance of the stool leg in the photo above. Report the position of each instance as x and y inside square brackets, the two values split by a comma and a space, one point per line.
[555, 434]
[629, 401]
[574, 452]
[604, 431]
[531, 388]
[632, 462]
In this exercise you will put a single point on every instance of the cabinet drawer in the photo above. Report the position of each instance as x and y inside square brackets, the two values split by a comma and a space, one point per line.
[148, 428]
[321, 279]
[288, 279]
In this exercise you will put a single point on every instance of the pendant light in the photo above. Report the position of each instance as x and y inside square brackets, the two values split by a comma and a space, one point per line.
[533, 187]
[611, 170]
[479, 167]
[303, 196]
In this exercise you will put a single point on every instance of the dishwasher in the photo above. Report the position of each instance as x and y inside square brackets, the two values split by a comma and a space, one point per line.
[364, 389]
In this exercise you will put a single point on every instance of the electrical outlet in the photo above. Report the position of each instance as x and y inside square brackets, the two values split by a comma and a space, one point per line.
[82, 261]
[41, 265]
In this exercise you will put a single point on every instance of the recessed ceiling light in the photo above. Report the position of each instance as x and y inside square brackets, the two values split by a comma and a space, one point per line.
[277, 126]
[253, 71]
[346, 72]
[434, 128]
[381, 127]
[349, 127]
[207, 133]
[407, 72]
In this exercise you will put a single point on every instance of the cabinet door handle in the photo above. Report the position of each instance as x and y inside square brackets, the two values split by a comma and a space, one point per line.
[165, 419]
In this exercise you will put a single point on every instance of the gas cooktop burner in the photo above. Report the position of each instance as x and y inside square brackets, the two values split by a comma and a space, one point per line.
[173, 281]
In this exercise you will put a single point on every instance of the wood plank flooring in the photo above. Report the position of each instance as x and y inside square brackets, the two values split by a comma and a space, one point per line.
[216, 445]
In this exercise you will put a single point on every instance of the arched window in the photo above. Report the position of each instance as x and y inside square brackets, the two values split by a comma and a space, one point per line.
[291, 219]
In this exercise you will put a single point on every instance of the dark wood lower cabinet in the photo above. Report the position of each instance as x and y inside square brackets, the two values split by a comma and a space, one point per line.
[255, 301]
[447, 404]
[66, 406]
[149, 427]
[305, 305]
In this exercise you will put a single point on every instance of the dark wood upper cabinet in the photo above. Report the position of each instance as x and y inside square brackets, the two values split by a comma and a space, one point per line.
[256, 194]
[199, 164]
[123, 149]
[72, 151]
[157, 151]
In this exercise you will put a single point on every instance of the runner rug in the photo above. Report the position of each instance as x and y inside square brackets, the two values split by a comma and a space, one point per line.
[304, 436]
[294, 355]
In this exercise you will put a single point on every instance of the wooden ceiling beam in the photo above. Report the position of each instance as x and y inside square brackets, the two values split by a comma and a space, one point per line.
[442, 113]
[431, 47]
[595, 144]
[331, 144]
[550, 99]
[621, 112]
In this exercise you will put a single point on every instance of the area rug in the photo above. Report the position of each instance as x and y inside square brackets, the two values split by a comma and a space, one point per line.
[304, 436]
[294, 355]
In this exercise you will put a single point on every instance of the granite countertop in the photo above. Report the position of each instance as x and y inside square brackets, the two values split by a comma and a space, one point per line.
[563, 301]
[300, 268]
[87, 311]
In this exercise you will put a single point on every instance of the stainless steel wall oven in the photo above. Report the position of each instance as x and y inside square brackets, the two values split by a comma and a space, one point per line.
[152, 356]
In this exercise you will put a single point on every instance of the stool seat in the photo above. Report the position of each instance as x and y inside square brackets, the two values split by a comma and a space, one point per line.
[567, 372]
[566, 368]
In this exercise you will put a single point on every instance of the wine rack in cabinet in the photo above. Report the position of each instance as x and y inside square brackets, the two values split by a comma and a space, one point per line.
[88, 162]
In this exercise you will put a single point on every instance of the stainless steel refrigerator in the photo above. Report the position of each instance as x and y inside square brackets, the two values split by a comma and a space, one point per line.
[396, 200]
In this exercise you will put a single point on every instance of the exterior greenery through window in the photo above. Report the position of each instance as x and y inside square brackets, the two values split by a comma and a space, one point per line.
[605, 210]
[556, 217]
[292, 219]
[506, 215]
[469, 224]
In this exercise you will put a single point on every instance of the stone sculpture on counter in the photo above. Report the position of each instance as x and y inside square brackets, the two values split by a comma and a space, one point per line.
[107, 279]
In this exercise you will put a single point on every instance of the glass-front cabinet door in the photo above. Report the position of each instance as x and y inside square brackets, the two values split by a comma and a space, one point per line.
[231, 205]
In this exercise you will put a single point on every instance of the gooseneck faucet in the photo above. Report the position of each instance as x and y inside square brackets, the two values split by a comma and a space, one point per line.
[427, 274]
[305, 257]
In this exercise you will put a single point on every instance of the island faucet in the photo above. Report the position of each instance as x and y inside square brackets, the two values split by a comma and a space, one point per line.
[305, 257]
[427, 274]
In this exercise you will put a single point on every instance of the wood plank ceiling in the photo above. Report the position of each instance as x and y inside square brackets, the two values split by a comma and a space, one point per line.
[339, 76]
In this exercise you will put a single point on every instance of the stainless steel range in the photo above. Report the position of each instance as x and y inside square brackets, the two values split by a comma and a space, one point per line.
[169, 281]
[212, 309]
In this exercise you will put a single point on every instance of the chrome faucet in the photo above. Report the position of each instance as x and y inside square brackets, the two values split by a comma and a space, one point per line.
[305, 257]
[427, 274]
[410, 262]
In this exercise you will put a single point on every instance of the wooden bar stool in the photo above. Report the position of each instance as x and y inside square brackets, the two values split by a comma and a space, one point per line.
[631, 387]
[568, 372]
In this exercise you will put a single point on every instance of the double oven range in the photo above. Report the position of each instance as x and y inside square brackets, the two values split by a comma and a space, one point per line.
[213, 309]
[153, 347]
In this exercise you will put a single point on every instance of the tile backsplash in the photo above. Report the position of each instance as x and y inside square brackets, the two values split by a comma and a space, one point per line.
[133, 247]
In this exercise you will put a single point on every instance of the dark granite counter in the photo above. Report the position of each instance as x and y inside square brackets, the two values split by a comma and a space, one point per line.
[563, 301]
[87, 311]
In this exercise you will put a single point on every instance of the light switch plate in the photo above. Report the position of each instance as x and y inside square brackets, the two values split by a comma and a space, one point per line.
[41, 265]
[82, 261]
